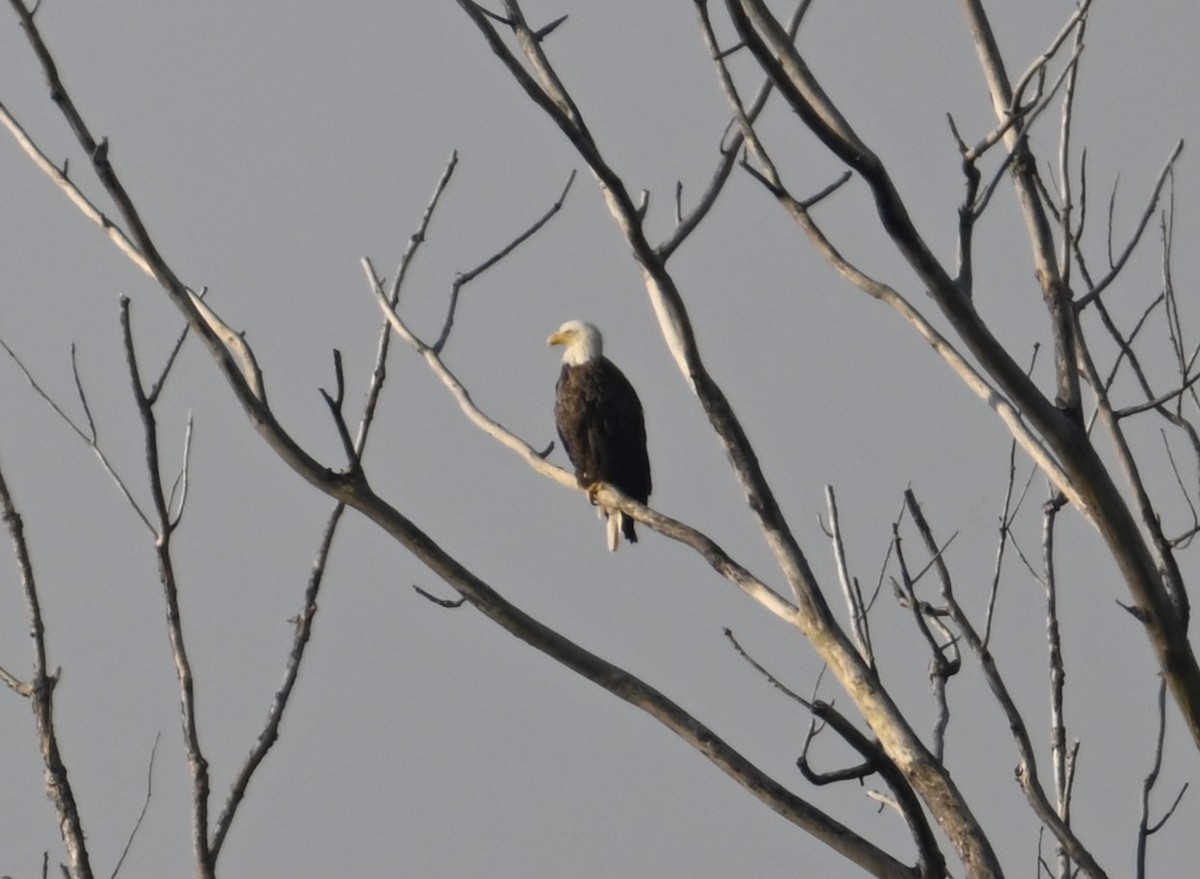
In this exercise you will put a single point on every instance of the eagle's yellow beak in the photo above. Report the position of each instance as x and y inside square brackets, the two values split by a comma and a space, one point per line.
[558, 337]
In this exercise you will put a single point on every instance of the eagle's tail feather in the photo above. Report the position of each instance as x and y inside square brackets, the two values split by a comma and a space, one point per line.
[618, 524]
[627, 527]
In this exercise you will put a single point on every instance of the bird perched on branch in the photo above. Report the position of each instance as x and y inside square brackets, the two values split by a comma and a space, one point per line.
[600, 423]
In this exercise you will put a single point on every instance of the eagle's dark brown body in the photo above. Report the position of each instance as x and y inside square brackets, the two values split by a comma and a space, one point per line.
[600, 423]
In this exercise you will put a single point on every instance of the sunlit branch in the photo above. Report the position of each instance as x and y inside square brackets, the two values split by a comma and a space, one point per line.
[60, 179]
[716, 557]
[459, 391]
[860, 626]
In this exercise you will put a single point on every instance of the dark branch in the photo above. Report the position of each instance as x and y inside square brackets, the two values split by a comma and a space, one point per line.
[451, 603]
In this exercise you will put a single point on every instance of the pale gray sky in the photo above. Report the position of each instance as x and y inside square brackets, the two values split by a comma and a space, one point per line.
[271, 145]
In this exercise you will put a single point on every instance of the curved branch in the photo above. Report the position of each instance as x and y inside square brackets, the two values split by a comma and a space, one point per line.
[626, 687]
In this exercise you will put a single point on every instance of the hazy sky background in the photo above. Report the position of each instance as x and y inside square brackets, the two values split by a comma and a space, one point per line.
[270, 146]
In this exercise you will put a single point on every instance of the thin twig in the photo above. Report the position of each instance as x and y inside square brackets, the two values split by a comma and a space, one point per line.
[686, 224]
[145, 806]
[1117, 264]
[449, 603]
[1145, 828]
[177, 499]
[941, 668]
[334, 402]
[860, 626]
[269, 733]
[156, 388]
[88, 436]
[1007, 517]
[464, 278]
[383, 346]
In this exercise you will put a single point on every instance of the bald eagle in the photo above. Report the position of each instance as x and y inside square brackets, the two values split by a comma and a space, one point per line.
[600, 423]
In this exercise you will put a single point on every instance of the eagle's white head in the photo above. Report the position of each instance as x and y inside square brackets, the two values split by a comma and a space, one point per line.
[582, 342]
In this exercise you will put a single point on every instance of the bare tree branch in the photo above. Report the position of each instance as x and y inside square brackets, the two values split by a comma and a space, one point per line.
[932, 863]
[1119, 263]
[926, 617]
[88, 436]
[1059, 755]
[269, 734]
[1145, 828]
[467, 277]
[142, 814]
[860, 625]
[40, 692]
[1027, 773]
[164, 527]
[1074, 465]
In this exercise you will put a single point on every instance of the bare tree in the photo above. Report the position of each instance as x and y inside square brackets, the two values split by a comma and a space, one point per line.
[1071, 431]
